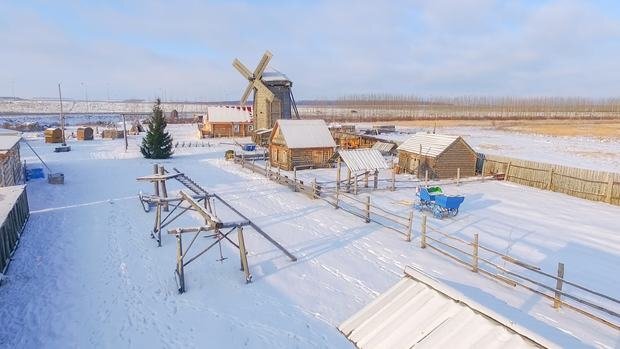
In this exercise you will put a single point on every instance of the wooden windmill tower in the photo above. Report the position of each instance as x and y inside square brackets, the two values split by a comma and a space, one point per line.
[273, 98]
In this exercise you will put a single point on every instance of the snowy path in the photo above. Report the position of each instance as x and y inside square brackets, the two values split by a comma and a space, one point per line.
[87, 274]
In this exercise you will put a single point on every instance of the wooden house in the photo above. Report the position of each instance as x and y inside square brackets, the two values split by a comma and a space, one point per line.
[53, 135]
[11, 171]
[85, 133]
[227, 122]
[441, 155]
[300, 144]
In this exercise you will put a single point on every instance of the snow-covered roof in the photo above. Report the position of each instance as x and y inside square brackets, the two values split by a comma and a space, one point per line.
[306, 134]
[7, 132]
[8, 196]
[228, 114]
[8, 141]
[383, 147]
[432, 144]
[363, 159]
[274, 76]
[420, 312]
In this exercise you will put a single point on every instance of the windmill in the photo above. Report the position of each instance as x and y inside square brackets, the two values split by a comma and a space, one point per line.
[272, 100]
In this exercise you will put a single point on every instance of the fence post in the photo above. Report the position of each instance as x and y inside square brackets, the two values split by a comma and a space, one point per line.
[338, 173]
[253, 166]
[549, 179]
[348, 180]
[337, 196]
[243, 255]
[557, 302]
[368, 209]
[393, 180]
[314, 188]
[423, 232]
[474, 265]
[355, 186]
[507, 171]
[458, 176]
[484, 167]
[410, 225]
[376, 179]
[426, 177]
[366, 179]
[610, 188]
[295, 178]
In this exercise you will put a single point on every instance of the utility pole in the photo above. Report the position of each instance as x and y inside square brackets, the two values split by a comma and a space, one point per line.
[62, 117]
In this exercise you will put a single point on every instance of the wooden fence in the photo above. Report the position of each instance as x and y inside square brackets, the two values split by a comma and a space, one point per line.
[474, 255]
[12, 226]
[581, 183]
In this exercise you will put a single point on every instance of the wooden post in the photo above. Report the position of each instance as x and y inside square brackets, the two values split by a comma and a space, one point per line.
[158, 224]
[426, 177]
[338, 174]
[355, 186]
[125, 132]
[410, 225]
[295, 178]
[423, 232]
[376, 179]
[507, 171]
[458, 176]
[180, 272]
[474, 265]
[156, 183]
[610, 188]
[314, 188]
[484, 167]
[549, 179]
[393, 180]
[243, 255]
[368, 209]
[366, 179]
[348, 180]
[164, 191]
[557, 302]
[337, 196]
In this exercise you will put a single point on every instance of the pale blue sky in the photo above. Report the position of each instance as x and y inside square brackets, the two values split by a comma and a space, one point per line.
[140, 49]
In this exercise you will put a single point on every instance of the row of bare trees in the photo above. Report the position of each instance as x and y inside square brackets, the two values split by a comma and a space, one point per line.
[396, 107]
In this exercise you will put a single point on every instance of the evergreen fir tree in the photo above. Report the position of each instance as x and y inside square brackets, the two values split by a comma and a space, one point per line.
[157, 144]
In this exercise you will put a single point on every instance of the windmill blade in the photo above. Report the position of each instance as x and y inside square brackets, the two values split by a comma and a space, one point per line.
[246, 93]
[243, 70]
[258, 84]
[260, 68]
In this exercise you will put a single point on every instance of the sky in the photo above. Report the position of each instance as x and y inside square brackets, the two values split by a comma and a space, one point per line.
[182, 50]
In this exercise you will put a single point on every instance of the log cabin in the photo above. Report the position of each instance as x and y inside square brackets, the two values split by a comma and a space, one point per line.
[300, 144]
[227, 122]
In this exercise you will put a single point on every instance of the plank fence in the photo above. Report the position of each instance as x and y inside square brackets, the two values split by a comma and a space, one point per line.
[581, 183]
[11, 227]
[473, 254]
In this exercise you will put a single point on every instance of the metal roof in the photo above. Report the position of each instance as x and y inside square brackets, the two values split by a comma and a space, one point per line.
[383, 147]
[228, 114]
[418, 312]
[306, 134]
[7, 142]
[274, 75]
[363, 159]
[432, 144]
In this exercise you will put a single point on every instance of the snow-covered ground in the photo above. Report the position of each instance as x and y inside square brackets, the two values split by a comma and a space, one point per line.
[585, 152]
[86, 273]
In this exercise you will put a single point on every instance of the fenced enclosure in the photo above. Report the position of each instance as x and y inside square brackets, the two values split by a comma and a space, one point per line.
[578, 182]
[13, 217]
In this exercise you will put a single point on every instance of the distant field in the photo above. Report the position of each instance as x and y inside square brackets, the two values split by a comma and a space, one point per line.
[574, 128]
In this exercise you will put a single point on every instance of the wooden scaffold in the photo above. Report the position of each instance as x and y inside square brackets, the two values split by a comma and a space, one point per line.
[199, 202]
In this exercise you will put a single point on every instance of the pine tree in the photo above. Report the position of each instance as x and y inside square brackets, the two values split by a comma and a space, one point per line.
[157, 144]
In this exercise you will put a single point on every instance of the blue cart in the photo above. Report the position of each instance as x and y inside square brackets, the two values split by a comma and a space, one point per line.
[434, 200]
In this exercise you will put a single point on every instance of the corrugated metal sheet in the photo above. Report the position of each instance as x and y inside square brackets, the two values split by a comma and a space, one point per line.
[363, 159]
[383, 147]
[432, 144]
[228, 114]
[417, 312]
[306, 134]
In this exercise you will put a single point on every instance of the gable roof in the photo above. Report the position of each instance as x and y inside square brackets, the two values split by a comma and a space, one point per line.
[432, 144]
[383, 146]
[363, 159]
[420, 312]
[306, 134]
[8, 142]
[227, 114]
